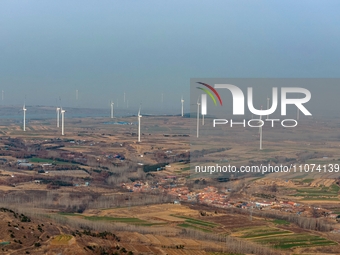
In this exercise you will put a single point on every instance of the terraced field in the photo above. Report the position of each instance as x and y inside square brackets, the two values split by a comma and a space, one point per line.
[196, 224]
[319, 193]
[134, 221]
[234, 221]
[295, 240]
[262, 232]
[283, 239]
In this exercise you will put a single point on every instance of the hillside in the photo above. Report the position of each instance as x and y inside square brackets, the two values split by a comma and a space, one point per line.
[21, 234]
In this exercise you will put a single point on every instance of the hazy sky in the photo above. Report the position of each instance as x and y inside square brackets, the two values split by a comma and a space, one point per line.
[103, 48]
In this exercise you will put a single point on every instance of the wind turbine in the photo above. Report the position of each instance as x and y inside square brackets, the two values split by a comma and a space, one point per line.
[139, 116]
[112, 109]
[62, 121]
[198, 115]
[24, 109]
[182, 101]
[58, 113]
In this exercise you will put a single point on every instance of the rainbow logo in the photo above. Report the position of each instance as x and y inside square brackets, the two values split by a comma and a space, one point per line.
[209, 92]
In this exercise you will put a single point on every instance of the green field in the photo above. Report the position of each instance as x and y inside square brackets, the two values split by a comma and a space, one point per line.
[281, 222]
[262, 232]
[307, 180]
[324, 193]
[123, 220]
[295, 240]
[196, 224]
[48, 161]
[69, 214]
[283, 239]
[320, 198]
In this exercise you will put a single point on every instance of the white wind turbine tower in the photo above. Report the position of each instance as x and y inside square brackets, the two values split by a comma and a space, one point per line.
[112, 109]
[182, 101]
[139, 116]
[58, 114]
[62, 121]
[24, 109]
[198, 115]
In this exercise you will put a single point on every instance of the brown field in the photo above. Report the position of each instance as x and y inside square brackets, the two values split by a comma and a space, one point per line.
[163, 212]
[231, 221]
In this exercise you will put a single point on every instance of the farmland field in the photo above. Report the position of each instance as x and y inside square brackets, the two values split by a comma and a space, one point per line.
[48, 161]
[196, 224]
[282, 239]
[106, 218]
[232, 221]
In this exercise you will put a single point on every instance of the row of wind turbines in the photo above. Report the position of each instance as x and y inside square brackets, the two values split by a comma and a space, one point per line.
[59, 111]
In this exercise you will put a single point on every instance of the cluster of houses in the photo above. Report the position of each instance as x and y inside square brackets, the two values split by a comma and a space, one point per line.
[213, 197]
